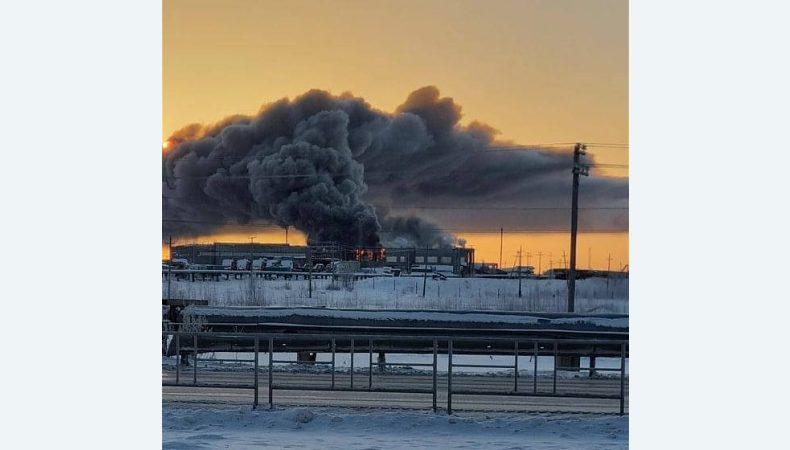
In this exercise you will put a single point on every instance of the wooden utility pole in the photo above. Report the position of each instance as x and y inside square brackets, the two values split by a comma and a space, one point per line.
[519, 272]
[540, 268]
[252, 238]
[578, 169]
[608, 270]
[501, 240]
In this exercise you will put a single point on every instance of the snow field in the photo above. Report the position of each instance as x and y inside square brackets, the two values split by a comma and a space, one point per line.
[333, 428]
[595, 295]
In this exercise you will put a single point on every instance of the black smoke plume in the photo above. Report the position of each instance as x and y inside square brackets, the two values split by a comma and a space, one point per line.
[415, 232]
[334, 167]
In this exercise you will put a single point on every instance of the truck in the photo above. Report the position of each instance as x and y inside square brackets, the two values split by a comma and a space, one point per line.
[343, 266]
[179, 263]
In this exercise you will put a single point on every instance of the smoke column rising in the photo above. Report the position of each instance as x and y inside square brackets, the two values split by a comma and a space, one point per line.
[333, 166]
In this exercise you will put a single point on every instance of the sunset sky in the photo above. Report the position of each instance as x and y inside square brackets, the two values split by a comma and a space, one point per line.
[538, 71]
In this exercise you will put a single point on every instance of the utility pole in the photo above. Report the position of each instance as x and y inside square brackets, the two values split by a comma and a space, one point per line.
[252, 238]
[564, 261]
[309, 270]
[286, 235]
[519, 272]
[608, 270]
[540, 268]
[169, 263]
[589, 258]
[252, 276]
[578, 169]
[501, 240]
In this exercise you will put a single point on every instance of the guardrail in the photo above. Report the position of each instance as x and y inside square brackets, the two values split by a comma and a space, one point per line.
[352, 343]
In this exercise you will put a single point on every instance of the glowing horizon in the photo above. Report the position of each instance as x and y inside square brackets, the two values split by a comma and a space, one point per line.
[540, 71]
[593, 249]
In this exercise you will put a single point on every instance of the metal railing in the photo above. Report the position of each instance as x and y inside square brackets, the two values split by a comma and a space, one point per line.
[431, 344]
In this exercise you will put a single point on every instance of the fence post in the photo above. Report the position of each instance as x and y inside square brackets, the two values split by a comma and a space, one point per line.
[178, 357]
[435, 351]
[449, 377]
[535, 369]
[515, 366]
[554, 388]
[352, 363]
[333, 363]
[622, 379]
[370, 364]
[271, 378]
[255, 401]
[592, 363]
[194, 369]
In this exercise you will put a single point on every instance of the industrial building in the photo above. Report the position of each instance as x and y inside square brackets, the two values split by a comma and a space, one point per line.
[458, 261]
[455, 260]
[214, 254]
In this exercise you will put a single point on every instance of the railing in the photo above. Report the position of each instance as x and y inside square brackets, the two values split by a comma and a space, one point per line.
[426, 344]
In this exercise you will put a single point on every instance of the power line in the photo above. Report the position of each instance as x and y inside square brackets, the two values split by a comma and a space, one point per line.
[508, 208]
[500, 147]
[619, 166]
[390, 230]
[338, 174]
[478, 208]
[516, 147]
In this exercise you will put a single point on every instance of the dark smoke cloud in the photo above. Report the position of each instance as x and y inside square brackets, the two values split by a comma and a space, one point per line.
[415, 232]
[352, 161]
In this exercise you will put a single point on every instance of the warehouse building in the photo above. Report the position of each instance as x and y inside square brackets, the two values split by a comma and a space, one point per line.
[457, 261]
[214, 254]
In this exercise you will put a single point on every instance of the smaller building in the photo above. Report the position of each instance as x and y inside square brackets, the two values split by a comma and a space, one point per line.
[455, 260]
[214, 254]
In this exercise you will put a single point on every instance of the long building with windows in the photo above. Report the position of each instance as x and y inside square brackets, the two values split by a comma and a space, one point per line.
[458, 261]
[216, 253]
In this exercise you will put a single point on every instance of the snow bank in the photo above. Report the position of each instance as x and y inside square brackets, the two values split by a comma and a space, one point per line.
[334, 428]
[594, 295]
[434, 318]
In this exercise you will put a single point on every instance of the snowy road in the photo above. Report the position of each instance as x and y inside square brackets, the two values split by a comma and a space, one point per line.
[332, 428]
[361, 398]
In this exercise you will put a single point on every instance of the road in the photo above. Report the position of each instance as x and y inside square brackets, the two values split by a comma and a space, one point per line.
[360, 397]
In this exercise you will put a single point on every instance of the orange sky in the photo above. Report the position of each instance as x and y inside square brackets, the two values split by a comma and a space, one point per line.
[593, 248]
[538, 71]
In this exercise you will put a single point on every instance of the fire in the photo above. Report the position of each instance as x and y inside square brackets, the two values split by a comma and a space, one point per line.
[165, 145]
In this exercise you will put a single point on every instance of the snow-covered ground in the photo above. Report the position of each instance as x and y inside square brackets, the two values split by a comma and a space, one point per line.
[330, 428]
[594, 295]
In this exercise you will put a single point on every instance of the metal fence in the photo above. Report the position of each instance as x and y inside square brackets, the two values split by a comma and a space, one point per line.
[187, 342]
